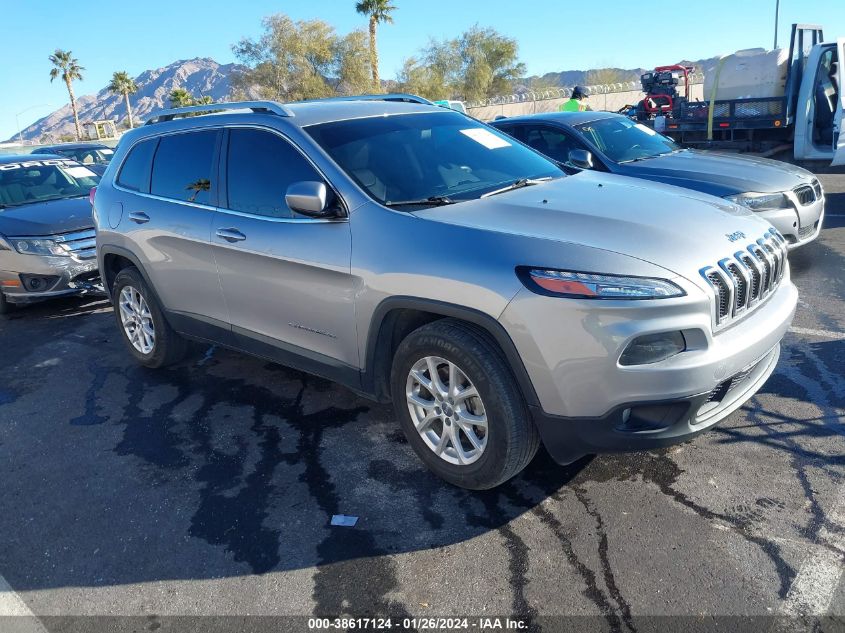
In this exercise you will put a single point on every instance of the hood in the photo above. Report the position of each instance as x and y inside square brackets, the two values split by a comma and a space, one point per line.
[46, 218]
[718, 173]
[677, 229]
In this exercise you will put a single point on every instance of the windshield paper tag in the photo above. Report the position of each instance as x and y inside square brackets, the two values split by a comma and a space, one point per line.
[79, 172]
[107, 151]
[645, 129]
[485, 138]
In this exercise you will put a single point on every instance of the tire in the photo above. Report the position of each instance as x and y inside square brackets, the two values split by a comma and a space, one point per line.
[166, 347]
[508, 440]
[5, 306]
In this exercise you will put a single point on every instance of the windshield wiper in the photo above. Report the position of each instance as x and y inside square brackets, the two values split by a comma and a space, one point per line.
[432, 201]
[518, 184]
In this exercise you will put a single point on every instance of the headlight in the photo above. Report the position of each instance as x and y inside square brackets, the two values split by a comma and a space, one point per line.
[761, 201]
[39, 247]
[562, 283]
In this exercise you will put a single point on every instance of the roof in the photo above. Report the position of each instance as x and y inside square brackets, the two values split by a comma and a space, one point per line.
[313, 112]
[22, 158]
[567, 118]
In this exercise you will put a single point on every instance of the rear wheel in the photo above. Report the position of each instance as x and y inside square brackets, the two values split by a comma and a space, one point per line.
[458, 404]
[146, 332]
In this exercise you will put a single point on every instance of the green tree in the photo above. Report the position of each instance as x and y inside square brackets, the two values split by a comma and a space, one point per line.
[421, 78]
[489, 63]
[123, 85]
[307, 59]
[377, 11]
[480, 63]
[66, 66]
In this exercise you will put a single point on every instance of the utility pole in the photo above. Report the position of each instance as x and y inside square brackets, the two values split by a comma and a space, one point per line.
[17, 120]
[777, 12]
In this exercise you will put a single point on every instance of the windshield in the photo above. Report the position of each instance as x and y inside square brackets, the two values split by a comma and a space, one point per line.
[40, 180]
[623, 141]
[442, 156]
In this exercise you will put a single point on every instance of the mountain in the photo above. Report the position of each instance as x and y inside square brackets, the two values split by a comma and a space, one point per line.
[571, 78]
[204, 76]
[200, 76]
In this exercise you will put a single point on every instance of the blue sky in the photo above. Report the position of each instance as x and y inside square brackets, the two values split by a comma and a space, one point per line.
[553, 35]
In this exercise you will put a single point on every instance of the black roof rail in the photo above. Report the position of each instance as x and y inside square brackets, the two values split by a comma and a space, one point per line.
[256, 106]
[388, 96]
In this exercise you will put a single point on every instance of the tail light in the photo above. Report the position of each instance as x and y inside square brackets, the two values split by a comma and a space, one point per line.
[91, 195]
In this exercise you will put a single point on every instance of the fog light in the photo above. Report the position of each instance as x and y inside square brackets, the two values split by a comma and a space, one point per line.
[652, 348]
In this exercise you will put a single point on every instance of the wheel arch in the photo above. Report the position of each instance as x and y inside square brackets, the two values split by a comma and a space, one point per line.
[396, 317]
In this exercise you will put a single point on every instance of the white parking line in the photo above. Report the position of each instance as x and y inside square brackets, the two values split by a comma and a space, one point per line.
[24, 620]
[836, 336]
[818, 577]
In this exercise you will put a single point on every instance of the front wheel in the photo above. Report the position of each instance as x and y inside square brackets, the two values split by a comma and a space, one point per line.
[146, 332]
[459, 406]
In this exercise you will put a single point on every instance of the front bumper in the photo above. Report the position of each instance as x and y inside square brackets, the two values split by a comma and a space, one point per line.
[645, 425]
[589, 402]
[799, 225]
[33, 278]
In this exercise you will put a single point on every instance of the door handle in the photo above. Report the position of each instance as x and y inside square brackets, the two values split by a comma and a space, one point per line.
[231, 235]
[139, 217]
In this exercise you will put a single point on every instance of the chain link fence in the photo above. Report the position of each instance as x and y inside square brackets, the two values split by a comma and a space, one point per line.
[566, 91]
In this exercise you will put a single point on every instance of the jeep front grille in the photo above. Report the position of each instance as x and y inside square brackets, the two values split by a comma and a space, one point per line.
[740, 283]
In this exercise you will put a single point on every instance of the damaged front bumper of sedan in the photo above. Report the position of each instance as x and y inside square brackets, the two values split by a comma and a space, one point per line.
[71, 269]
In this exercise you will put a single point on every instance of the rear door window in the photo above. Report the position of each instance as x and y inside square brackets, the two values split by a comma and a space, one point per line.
[183, 165]
[135, 172]
[259, 168]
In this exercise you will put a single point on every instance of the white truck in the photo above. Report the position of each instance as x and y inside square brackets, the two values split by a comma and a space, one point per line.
[805, 112]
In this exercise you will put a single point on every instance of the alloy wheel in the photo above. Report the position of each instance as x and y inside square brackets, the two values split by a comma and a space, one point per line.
[137, 320]
[446, 410]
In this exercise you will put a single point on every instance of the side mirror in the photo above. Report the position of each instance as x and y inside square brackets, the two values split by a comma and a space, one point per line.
[581, 158]
[310, 198]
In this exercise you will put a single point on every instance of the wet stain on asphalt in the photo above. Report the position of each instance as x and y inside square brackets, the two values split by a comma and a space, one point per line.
[606, 568]
[495, 518]
[99, 374]
[658, 468]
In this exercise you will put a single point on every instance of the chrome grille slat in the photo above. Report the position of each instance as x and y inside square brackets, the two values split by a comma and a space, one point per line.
[80, 245]
[741, 282]
[806, 194]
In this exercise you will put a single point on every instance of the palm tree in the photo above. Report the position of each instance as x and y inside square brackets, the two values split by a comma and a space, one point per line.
[123, 84]
[378, 11]
[66, 66]
[179, 98]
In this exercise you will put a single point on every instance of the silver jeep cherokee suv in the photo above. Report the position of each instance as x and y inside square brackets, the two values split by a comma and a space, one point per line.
[419, 256]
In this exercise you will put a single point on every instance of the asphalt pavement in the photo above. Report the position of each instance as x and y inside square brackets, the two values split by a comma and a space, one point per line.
[208, 489]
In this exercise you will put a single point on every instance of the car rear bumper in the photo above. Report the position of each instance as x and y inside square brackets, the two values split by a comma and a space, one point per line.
[645, 425]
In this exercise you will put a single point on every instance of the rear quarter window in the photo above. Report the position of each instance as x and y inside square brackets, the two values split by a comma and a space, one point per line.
[135, 172]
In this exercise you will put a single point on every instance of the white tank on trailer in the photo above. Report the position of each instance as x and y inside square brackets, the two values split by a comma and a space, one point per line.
[754, 73]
